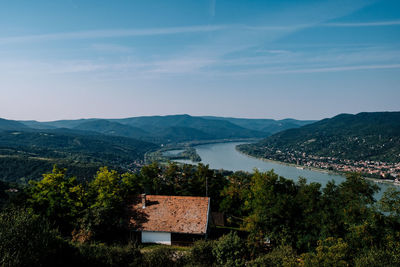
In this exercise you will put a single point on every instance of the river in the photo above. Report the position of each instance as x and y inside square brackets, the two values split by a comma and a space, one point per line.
[225, 156]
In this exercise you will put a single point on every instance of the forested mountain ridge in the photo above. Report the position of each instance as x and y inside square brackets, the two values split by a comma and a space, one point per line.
[158, 129]
[364, 136]
[210, 129]
[27, 154]
[112, 128]
[176, 128]
[264, 125]
[6, 125]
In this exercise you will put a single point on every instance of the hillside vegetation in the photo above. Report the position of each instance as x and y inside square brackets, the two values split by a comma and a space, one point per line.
[364, 136]
[26, 155]
[265, 125]
[270, 220]
[175, 128]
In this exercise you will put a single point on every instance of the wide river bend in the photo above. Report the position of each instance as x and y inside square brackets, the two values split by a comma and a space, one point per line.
[225, 156]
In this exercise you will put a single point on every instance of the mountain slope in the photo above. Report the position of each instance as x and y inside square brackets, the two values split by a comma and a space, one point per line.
[215, 129]
[66, 144]
[112, 128]
[268, 126]
[365, 136]
[10, 125]
[175, 128]
[55, 124]
[28, 154]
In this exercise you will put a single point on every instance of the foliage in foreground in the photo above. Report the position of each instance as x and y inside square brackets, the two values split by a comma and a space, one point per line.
[288, 223]
[27, 240]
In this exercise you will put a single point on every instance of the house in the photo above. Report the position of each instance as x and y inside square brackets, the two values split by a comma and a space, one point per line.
[171, 219]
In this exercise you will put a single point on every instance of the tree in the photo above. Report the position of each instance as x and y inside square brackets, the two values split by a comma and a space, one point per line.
[308, 219]
[150, 178]
[58, 198]
[234, 196]
[272, 208]
[28, 240]
[3, 194]
[201, 253]
[356, 195]
[283, 256]
[390, 203]
[106, 216]
[329, 253]
[105, 189]
[230, 250]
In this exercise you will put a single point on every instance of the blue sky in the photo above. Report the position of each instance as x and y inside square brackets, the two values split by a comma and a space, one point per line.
[257, 59]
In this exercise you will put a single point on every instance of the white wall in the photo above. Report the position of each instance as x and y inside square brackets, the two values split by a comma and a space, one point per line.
[156, 237]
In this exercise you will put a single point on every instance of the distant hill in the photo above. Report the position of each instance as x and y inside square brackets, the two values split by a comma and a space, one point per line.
[365, 136]
[10, 125]
[55, 124]
[112, 128]
[175, 128]
[159, 129]
[38, 125]
[28, 154]
[195, 127]
[269, 126]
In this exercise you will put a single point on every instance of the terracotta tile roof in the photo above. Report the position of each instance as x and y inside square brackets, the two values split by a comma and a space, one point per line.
[173, 214]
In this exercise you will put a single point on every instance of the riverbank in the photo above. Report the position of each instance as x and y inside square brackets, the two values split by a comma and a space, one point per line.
[188, 150]
[330, 172]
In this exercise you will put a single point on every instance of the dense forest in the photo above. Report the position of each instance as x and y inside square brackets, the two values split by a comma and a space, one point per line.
[364, 136]
[270, 220]
[25, 155]
[175, 128]
[30, 148]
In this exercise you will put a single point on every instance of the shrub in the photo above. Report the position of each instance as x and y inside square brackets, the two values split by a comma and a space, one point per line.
[330, 252]
[230, 250]
[374, 258]
[28, 240]
[103, 255]
[160, 256]
[201, 254]
[281, 256]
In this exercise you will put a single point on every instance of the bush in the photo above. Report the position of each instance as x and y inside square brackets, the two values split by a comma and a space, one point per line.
[102, 255]
[201, 254]
[28, 240]
[281, 256]
[160, 257]
[330, 252]
[387, 255]
[230, 250]
[375, 258]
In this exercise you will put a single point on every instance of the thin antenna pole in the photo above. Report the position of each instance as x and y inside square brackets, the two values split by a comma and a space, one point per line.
[206, 186]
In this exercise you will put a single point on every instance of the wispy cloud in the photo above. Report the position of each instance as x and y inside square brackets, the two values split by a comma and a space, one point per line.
[110, 33]
[112, 48]
[212, 8]
[117, 33]
[336, 69]
[362, 24]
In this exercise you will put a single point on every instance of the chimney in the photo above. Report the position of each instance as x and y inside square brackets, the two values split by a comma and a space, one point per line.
[143, 201]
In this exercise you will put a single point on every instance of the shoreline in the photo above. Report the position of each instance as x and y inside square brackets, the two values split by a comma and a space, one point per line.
[330, 172]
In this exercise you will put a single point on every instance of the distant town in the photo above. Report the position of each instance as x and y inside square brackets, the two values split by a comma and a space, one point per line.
[370, 168]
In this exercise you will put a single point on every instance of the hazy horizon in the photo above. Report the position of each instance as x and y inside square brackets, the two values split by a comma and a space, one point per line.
[305, 60]
[155, 115]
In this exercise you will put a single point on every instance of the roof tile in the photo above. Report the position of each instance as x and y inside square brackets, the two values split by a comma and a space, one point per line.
[176, 214]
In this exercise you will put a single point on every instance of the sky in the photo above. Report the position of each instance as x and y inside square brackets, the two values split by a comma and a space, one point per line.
[252, 59]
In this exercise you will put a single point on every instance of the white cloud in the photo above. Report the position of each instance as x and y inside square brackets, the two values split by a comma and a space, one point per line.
[112, 48]
[362, 24]
[339, 68]
[95, 34]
